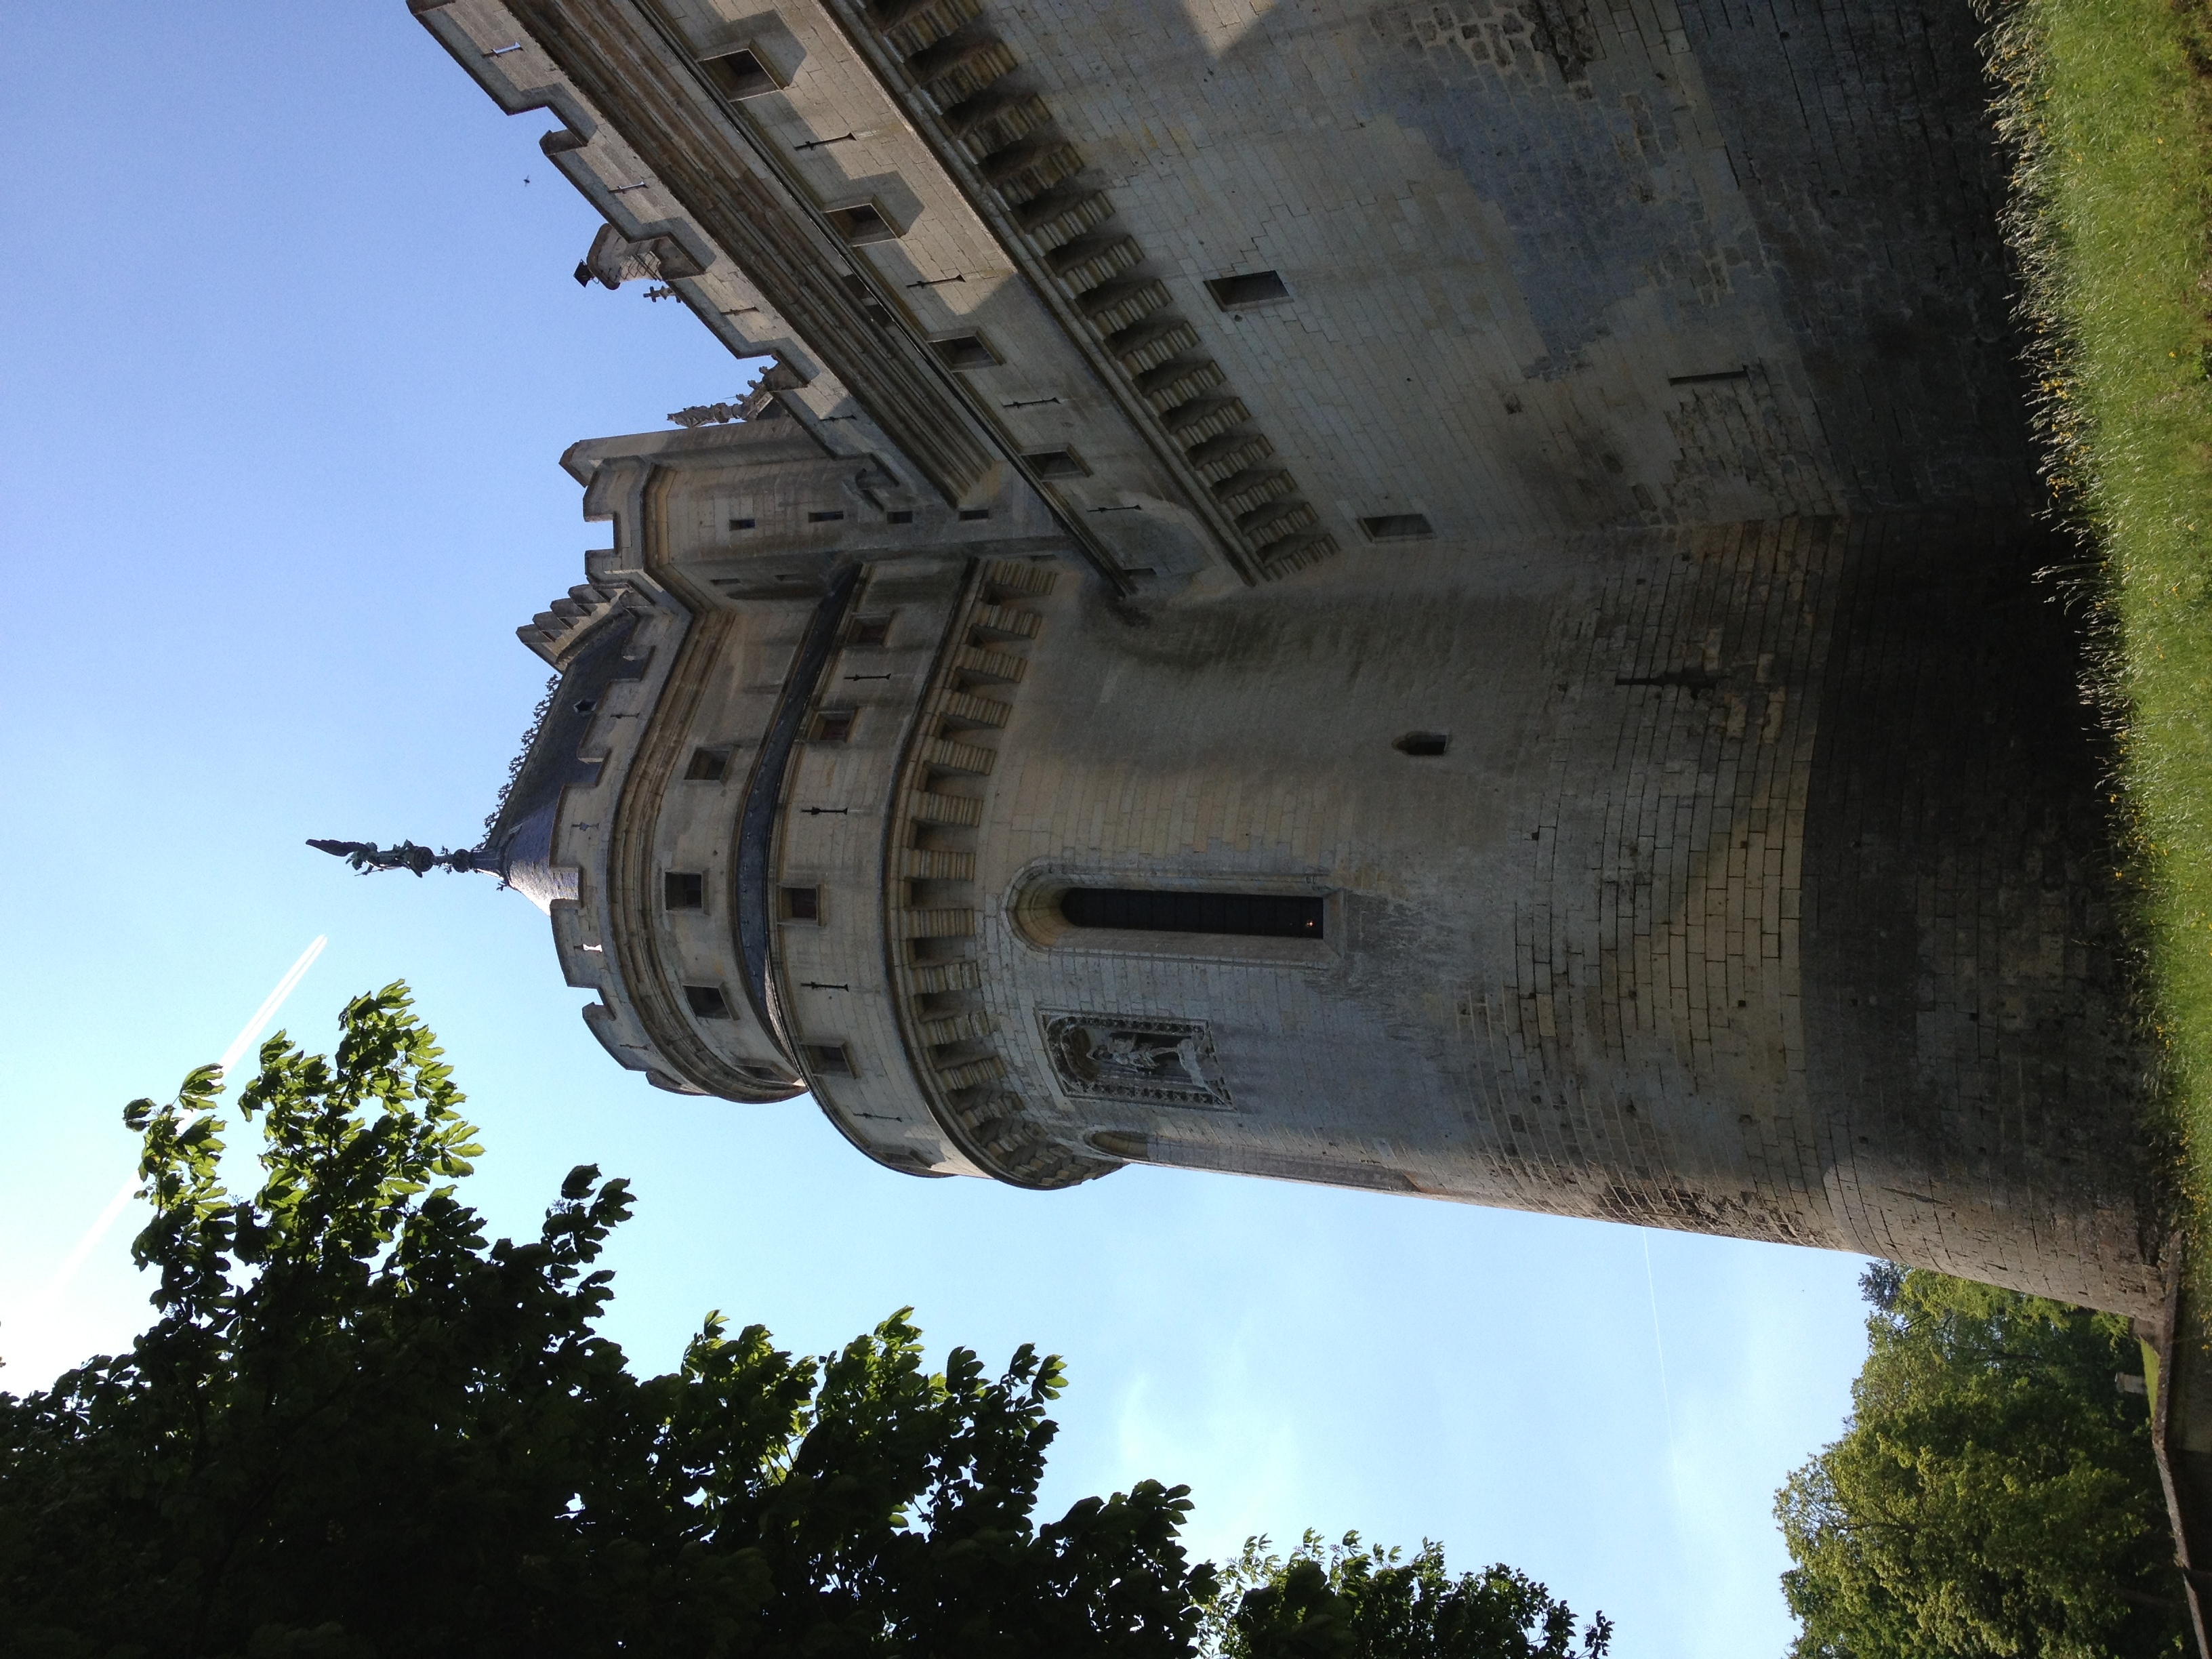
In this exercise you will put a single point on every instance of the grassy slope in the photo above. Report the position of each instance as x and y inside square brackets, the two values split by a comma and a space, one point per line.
[2113, 111]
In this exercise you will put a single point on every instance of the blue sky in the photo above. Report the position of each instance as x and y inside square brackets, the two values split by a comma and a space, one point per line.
[290, 354]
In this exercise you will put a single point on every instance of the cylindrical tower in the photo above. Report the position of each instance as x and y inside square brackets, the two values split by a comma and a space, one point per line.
[1750, 879]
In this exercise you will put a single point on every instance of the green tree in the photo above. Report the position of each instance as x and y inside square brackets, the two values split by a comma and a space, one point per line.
[1354, 1601]
[355, 1429]
[1993, 1494]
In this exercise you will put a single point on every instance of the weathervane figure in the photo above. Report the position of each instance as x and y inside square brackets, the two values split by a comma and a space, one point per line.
[366, 856]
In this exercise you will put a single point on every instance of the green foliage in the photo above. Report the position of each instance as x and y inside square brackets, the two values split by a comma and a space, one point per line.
[2106, 105]
[1353, 1603]
[1993, 1494]
[355, 1429]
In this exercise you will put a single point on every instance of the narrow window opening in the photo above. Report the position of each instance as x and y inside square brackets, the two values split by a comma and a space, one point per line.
[827, 1058]
[1257, 915]
[683, 890]
[585, 705]
[1253, 288]
[833, 726]
[1058, 463]
[971, 512]
[1423, 743]
[857, 285]
[742, 524]
[831, 516]
[901, 517]
[707, 766]
[965, 351]
[740, 74]
[863, 224]
[1396, 527]
[799, 903]
[707, 1001]
[869, 630]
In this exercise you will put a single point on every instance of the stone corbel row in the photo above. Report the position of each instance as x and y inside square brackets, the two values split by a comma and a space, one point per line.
[932, 945]
[552, 630]
[1008, 141]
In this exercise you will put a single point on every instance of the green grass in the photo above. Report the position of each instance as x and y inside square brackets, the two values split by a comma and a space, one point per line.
[2110, 105]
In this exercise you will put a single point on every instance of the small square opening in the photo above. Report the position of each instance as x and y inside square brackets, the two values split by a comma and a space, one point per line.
[965, 351]
[799, 904]
[901, 517]
[863, 224]
[1423, 744]
[967, 513]
[707, 766]
[1251, 288]
[1058, 463]
[707, 1001]
[740, 73]
[869, 630]
[1396, 527]
[833, 726]
[828, 1058]
[683, 890]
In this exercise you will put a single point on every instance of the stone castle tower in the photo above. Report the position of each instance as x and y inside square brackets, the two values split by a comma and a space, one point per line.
[1433, 597]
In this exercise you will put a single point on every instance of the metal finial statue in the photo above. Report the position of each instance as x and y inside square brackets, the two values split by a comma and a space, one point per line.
[366, 856]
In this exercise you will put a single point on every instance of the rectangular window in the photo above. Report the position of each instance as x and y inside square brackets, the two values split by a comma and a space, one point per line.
[833, 726]
[742, 524]
[799, 903]
[1253, 288]
[830, 515]
[683, 890]
[740, 73]
[902, 517]
[1058, 463]
[863, 224]
[707, 766]
[1132, 909]
[967, 513]
[869, 630]
[829, 1059]
[707, 1001]
[1396, 527]
[965, 351]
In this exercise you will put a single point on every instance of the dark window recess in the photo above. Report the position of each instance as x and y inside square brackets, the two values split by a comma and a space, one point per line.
[899, 518]
[683, 890]
[1258, 915]
[863, 224]
[1253, 288]
[742, 524]
[739, 75]
[1423, 743]
[968, 512]
[1058, 463]
[799, 903]
[1396, 527]
[965, 351]
[857, 285]
[707, 1001]
[869, 630]
[708, 765]
[831, 516]
[585, 705]
[827, 1058]
[833, 726]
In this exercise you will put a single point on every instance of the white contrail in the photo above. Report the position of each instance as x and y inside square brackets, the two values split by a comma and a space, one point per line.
[239, 1044]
